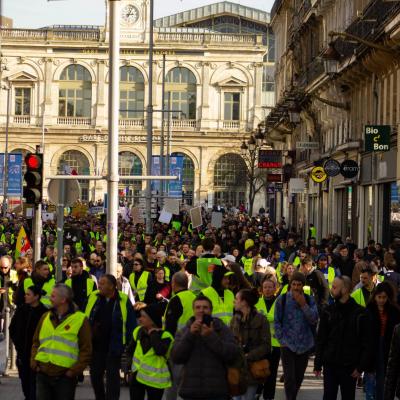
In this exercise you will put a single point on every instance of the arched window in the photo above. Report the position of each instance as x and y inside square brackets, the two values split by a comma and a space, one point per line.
[187, 177]
[75, 92]
[230, 180]
[131, 103]
[79, 163]
[181, 83]
[130, 164]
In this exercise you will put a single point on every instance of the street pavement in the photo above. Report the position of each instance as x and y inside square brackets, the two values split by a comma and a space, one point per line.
[311, 390]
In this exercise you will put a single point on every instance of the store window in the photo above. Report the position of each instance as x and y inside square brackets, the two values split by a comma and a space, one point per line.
[131, 102]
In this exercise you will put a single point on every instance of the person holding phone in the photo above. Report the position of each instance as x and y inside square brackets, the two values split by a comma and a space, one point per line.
[205, 346]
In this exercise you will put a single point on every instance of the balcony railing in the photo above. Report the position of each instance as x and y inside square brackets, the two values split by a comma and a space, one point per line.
[131, 122]
[22, 119]
[207, 38]
[231, 125]
[51, 34]
[74, 121]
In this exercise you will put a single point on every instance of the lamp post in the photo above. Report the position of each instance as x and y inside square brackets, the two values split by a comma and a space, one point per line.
[5, 169]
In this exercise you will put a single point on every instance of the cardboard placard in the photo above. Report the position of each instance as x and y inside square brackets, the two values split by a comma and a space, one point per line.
[165, 217]
[47, 216]
[216, 219]
[172, 206]
[196, 217]
[137, 215]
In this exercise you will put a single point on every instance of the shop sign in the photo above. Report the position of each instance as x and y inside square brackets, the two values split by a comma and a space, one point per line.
[332, 168]
[377, 137]
[349, 169]
[296, 185]
[307, 145]
[269, 159]
[318, 174]
[274, 177]
[278, 187]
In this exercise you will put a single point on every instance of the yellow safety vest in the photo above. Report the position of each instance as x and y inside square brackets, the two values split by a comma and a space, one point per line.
[330, 276]
[60, 345]
[141, 285]
[123, 300]
[248, 266]
[47, 288]
[358, 296]
[186, 297]
[296, 261]
[204, 274]
[270, 315]
[152, 370]
[89, 285]
[221, 308]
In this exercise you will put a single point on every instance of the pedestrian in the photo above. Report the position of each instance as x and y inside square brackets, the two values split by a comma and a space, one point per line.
[22, 329]
[266, 305]
[251, 331]
[112, 319]
[151, 347]
[177, 314]
[368, 281]
[392, 386]
[384, 315]
[295, 320]
[123, 284]
[139, 280]
[159, 290]
[205, 347]
[23, 267]
[342, 349]
[342, 261]
[61, 347]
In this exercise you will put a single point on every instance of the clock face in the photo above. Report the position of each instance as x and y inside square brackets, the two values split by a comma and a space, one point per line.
[130, 14]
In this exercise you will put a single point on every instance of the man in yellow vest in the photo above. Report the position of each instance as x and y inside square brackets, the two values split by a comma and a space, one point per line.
[112, 319]
[61, 347]
[368, 281]
[221, 297]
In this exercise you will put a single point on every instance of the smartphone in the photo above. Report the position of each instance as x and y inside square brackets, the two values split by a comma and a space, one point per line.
[207, 319]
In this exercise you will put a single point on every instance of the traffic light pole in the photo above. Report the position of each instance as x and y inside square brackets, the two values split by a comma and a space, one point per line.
[60, 230]
[37, 232]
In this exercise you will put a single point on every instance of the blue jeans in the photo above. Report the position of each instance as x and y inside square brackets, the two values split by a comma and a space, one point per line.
[370, 385]
[249, 395]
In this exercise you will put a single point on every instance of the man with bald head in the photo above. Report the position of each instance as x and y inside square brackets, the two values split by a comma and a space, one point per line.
[342, 349]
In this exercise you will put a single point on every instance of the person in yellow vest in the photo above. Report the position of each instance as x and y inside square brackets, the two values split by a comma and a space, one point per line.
[247, 262]
[151, 347]
[81, 283]
[201, 268]
[8, 279]
[328, 271]
[266, 306]
[312, 232]
[177, 314]
[61, 348]
[139, 280]
[42, 278]
[112, 319]
[50, 258]
[221, 297]
[368, 281]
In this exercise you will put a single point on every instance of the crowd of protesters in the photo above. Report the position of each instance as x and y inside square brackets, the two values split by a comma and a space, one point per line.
[204, 313]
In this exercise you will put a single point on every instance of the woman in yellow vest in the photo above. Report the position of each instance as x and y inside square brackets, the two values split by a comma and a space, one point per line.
[266, 306]
[139, 280]
[151, 347]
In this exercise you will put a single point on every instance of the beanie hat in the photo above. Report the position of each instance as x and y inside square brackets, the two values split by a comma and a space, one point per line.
[153, 311]
[298, 277]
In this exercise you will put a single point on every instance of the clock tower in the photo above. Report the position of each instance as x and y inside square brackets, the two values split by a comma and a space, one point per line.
[134, 21]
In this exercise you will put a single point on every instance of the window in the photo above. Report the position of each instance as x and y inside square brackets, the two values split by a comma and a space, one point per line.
[187, 178]
[22, 101]
[181, 86]
[131, 102]
[77, 161]
[130, 164]
[232, 106]
[75, 92]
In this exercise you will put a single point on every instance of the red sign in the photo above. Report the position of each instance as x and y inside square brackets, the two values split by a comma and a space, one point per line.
[274, 177]
[269, 159]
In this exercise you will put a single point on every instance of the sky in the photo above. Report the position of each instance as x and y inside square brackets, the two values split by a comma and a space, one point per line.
[39, 13]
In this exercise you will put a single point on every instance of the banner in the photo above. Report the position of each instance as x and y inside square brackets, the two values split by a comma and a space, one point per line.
[175, 168]
[14, 186]
[23, 244]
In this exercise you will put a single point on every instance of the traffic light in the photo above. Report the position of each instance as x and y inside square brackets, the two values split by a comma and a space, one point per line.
[33, 177]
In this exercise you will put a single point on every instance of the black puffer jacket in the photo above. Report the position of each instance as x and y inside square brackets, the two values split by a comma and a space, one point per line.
[205, 360]
[392, 386]
[343, 339]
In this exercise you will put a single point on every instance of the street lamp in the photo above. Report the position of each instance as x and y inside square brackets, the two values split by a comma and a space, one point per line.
[259, 136]
[243, 148]
[252, 143]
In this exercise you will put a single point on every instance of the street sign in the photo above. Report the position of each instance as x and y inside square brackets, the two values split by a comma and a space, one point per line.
[377, 137]
[332, 168]
[269, 159]
[72, 191]
[349, 169]
[318, 174]
[274, 177]
[307, 145]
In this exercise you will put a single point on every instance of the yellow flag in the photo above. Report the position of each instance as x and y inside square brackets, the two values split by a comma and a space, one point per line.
[23, 244]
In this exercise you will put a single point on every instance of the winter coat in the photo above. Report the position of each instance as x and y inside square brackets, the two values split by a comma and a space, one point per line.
[392, 387]
[205, 360]
[253, 336]
[343, 338]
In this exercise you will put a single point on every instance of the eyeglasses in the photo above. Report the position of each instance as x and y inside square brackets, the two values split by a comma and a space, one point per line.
[136, 264]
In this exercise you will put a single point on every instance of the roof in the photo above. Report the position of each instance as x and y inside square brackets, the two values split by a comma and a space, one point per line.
[221, 8]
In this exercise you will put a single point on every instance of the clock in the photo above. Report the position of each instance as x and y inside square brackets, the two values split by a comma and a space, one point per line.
[130, 14]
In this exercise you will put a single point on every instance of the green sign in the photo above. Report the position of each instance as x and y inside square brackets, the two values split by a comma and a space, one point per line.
[377, 137]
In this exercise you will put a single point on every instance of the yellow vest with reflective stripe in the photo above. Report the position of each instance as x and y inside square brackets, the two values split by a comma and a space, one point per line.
[330, 276]
[204, 274]
[152, 370]
[222, 308]
[358, 296]
[47, 288]
[60, 345]
[141, 285]
[270, 315]
[123, 300]
[89, 285]
[296, 261]
[248, 266]
[186, 297]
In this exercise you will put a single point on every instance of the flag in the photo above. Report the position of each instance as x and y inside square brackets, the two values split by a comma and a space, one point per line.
[23, 244]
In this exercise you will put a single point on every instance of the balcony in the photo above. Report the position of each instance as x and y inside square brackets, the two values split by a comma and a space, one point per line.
[21, 119]
[232, 125]
[51, 34]
[190, 124]
[74, 121]
[131, 122]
